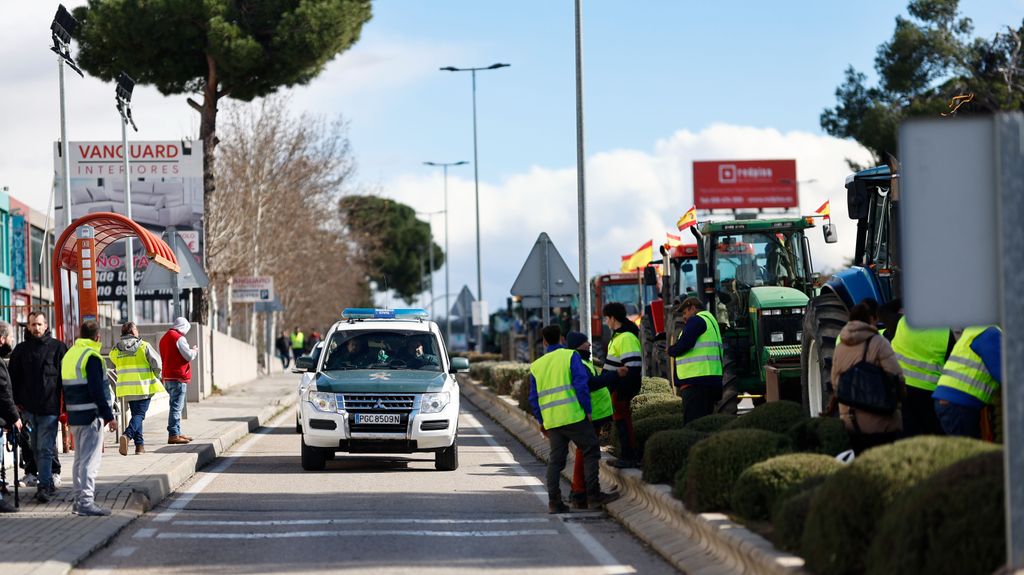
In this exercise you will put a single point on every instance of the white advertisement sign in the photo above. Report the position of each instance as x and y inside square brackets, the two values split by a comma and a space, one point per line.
[252, 289]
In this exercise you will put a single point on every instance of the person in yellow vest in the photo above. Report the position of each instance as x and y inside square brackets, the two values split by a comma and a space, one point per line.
[698, 360]
[298, 343]
[624, 359]
[87, 400]
[138, 379]
[921, 353]
[600, 414]
[560, 399]
[970, 381]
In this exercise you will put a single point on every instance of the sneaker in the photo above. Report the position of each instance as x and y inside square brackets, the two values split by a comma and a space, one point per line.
[56, 481]
[30, 480]
[92, 510]
[122, 445]
[558, 506]
[43, 495]
[601, 499]
[6, 507]
[139, 450]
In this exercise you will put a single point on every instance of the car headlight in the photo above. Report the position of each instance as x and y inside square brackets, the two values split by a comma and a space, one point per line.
[434, 402]
[323, 401]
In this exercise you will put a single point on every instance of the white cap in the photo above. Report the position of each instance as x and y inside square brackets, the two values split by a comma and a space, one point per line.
[182, 325]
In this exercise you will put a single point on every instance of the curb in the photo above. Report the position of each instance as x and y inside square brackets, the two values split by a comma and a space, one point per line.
[704, 543]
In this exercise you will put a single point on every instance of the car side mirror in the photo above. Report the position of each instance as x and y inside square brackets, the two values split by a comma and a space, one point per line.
[687, 267]
[459, 365]
[305, 363]
[829, 231]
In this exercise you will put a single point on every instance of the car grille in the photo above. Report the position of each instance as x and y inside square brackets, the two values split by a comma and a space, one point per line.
[378, 403]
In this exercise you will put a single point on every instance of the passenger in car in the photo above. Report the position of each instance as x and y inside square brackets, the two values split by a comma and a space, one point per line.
[414, 355]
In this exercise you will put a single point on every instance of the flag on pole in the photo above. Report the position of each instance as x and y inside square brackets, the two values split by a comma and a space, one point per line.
[672, 240]
[688, 219]
[640, 258]
[825, 210]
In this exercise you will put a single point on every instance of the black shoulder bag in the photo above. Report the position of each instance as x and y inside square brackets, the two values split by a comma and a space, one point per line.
[867, 386]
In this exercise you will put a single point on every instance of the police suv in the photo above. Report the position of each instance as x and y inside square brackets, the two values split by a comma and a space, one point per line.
[381, 383]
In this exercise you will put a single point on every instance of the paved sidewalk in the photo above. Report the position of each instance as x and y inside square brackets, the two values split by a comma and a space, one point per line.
[45, 539]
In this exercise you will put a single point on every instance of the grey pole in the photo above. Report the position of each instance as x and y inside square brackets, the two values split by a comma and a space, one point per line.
[65, 147]
[430, 247]
[581, 196]
[447, 266]
[476, 188]
[129, 247]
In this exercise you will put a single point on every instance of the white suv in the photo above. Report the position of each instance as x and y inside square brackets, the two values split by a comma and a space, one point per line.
[383, 383]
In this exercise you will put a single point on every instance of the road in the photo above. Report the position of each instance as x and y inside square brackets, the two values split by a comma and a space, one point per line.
[256, 511]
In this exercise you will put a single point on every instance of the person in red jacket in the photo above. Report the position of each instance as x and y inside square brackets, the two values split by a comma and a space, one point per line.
[177, 373]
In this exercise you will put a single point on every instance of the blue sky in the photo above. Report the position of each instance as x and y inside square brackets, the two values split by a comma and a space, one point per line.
[667, 82]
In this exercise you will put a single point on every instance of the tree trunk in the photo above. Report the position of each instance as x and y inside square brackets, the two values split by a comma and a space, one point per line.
[208, 134]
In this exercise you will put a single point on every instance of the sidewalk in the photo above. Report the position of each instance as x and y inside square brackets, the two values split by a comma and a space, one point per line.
[48, 539]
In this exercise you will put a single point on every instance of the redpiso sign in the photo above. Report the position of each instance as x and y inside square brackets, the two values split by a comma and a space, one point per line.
[745, 184]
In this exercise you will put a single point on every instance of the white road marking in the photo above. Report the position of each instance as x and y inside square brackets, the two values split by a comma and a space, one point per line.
[278, 522]
[358, 533]
[585, 539]
[144, 533]
[127, 551]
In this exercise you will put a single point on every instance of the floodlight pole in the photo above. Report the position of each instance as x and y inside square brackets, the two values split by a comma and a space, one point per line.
[129, 245]
[581, 196]
[447, 256]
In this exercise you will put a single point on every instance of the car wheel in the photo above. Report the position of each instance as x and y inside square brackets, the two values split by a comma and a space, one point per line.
[313, 458]
[448, 458]
[298, 425]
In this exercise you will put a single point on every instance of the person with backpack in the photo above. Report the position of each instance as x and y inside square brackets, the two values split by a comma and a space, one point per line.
[862, 349]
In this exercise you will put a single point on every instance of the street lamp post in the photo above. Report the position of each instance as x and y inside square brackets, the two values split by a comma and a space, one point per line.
[123, 97]
[430, 246]
[476, 187]
[63, 26]
[447, 256]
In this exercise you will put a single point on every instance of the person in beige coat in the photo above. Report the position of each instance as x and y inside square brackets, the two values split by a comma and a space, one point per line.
[866, 429]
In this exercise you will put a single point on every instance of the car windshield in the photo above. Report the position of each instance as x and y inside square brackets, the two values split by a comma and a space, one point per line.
[382, 349]
[759, 258]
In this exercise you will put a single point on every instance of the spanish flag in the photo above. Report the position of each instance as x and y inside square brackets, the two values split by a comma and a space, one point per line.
[672, 240]
[688, 219]
[825, 210]
[640, 258]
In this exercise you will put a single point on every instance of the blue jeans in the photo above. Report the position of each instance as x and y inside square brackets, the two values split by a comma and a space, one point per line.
[43, 437]
[958, 419]
[176, 389]
[133, 430]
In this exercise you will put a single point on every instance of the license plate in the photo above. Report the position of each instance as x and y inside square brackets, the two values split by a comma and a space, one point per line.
[378, 418]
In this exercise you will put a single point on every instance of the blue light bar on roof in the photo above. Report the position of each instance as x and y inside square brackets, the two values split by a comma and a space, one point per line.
[372, 313]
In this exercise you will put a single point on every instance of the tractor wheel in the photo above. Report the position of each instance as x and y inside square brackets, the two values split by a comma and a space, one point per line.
[730, 402]
[655, 352]
[825, 317]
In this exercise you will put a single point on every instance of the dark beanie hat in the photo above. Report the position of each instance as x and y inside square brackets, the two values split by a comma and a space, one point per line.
[574, 339]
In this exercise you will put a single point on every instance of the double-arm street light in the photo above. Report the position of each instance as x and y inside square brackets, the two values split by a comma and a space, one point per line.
[447, 256]
[476, 187]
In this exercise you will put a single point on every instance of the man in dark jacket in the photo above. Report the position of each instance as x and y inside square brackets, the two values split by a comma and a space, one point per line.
[9, 417]
[35, 374]
[283, 349]
[698, 361]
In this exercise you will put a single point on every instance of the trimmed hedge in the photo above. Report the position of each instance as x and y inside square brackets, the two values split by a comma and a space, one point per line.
[790, 515]
[820, 435]
[479, 370]
[953, 522]
[648, 426]
[656, 385]
[777, 416]
[655, 405]
[505, 375]
[475, 357]
[667, 452]
[846, 511]
[758, 488]
[711, 423]
[521, 393]
[717, 462]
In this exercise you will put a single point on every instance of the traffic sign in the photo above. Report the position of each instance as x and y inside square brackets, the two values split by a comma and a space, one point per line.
[463, 304]
[544, 276]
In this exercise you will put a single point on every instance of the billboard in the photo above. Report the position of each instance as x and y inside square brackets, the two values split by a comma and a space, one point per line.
[252, 289]
[749, 184]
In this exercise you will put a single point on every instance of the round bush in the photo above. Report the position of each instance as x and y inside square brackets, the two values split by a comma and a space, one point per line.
[504, 376]
[759, 487]
[789, 517]
[953, 522]
[711, 423]
[716, 463]
[777, 416]
[679, 484]
[820, 435]
[666, 452]
[656, 385]
[648, 426]
[665, 405]
[848, 507]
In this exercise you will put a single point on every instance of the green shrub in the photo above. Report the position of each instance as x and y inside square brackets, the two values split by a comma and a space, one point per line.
[648, 426]
[711, 423]
[505, 375]
[666, 453]
[759, 487]
[790, 515]
[655, 405]
[521, 393]
[716, 463]
[952, 522]
[475, 357]
[679, 483]
[848, 507]
[479, 370]
[656, 385]
[777, 416]
[820, 435]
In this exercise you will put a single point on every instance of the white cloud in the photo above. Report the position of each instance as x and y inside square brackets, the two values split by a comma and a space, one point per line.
[632, 195]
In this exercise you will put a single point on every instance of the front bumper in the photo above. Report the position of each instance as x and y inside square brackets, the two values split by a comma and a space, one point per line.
[416, 432]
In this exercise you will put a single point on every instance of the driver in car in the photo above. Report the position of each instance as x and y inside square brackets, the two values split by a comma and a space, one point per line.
[414, 356]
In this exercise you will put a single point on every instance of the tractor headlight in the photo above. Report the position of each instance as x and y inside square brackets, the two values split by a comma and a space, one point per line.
[434, 402]
[323, 401]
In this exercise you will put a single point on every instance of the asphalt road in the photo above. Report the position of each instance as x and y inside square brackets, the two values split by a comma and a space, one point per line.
[256, 511]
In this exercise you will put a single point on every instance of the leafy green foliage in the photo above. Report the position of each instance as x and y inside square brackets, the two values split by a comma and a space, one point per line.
[506, 375]
[666, 452]
[759, 487]
[930, 59]
[777, 416]
[656, 385]
[820, 435]
[848, 507]
[951, 523]
[717, 462]
[654, 405]
[711, 423]
[392, 242]
[790, 515]
[648, 426]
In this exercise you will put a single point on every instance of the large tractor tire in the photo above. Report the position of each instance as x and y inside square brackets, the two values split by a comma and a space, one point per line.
[730, 402]
[655, 353]
[825, 317]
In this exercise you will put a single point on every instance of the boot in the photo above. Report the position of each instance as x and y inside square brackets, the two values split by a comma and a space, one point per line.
[601, 499]
[578, 500]
[557, 506]
[139, 450]
[177, 440]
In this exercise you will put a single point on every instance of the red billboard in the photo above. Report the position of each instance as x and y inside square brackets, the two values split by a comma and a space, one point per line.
[745, 184]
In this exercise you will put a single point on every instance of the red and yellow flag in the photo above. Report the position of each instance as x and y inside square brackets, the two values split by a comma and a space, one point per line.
[825, 210]
[638, 259]
[688, 219]
[672, 240]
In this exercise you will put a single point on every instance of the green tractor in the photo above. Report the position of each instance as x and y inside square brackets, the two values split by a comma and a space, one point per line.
[756, 278]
